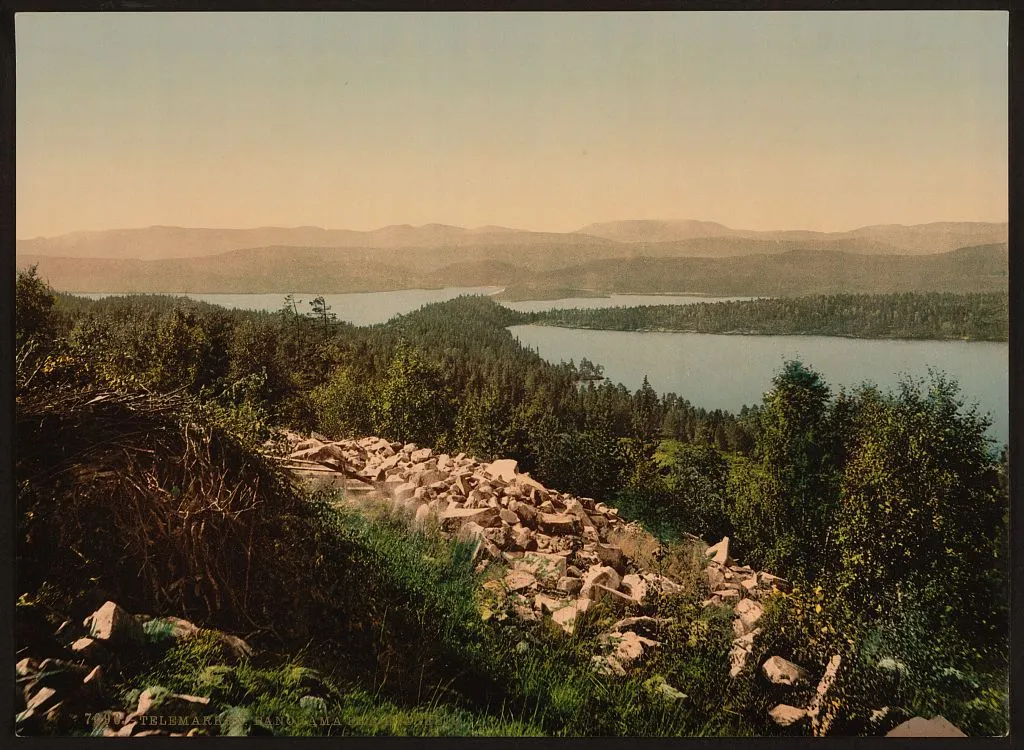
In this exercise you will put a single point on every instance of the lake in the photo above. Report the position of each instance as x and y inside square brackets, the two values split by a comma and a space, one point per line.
[724, 372]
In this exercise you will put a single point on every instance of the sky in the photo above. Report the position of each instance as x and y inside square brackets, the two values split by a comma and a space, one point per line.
[543, 121]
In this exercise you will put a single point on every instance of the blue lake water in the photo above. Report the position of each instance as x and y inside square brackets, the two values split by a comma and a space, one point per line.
[724, 372]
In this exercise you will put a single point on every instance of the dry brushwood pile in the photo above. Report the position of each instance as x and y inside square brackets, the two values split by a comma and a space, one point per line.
[127, 497]
[560, 553]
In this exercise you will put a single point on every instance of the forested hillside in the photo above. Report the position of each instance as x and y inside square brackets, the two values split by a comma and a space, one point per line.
[887, 512]
[534, 270]
[973, 317]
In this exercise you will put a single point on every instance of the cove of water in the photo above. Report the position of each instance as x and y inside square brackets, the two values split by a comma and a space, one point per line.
[724, 372]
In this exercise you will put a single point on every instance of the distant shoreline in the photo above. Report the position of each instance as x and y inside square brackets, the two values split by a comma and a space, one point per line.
[752, 332]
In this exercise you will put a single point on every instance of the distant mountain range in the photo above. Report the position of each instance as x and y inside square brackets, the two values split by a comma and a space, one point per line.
[626, 256]
[609, 239]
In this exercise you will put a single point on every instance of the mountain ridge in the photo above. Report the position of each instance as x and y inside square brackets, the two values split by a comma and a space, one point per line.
[163, 241]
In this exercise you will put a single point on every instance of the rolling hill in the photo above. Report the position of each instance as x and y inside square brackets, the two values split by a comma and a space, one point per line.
[530, 273]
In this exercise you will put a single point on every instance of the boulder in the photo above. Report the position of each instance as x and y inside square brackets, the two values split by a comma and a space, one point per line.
[504, 469]
[527, 514]
[737, 659]
[643, 625]
[452, 518]
[158, 701]
[429, 477]
[87, 648]
[519, 580]
[25, 667]
[330, 452]
[42, 699]
[526, 481]
[937, 726]
[661, 689]
[111, 624]
[661, 583]
[634, 587]
[569, 585]
[557, 523]
[820, 721]
[607, 665]
[779, 671]
[599, 574]
[565, 616]
[630, 648]
[719, 553]
[403, 492]
[421, 455]
[600, 592]
[785, 715]
[508, 516]
[423, 513]
[499, 535]
[461, 486]
[168, 630]
[611, 555]
[523, 539]
[547, 604]
[392, 483]
[716, 579]
[470, 532]
[545, 567]
[748, 612]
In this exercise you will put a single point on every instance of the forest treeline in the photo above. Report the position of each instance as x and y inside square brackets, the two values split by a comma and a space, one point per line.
[888, 510]
[929, 315]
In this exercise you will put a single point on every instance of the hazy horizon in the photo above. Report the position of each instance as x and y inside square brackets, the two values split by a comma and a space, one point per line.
[484, 226]
[821, 121]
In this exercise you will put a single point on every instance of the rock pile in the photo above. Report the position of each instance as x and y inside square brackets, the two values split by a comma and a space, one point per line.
[562, 553]
[59, 695]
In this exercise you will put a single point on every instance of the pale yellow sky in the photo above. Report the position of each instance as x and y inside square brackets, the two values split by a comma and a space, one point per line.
[822, 120]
